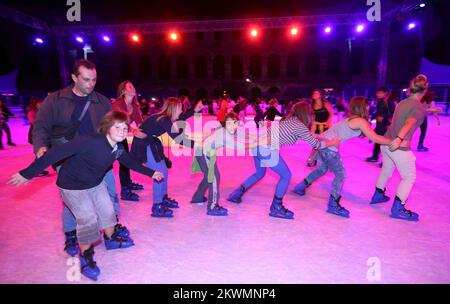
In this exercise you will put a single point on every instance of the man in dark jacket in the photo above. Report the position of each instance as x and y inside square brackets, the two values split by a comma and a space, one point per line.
[64, 114]
[384, 112]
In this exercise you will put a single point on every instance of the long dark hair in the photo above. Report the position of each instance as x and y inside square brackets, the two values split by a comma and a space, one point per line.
[302, 111]
[121, 92]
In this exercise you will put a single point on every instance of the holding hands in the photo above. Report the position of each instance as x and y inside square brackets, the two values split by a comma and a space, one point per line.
[395, 144]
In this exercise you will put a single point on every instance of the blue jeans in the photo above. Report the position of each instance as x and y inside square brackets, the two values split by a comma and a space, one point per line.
[270, 158]
[69, 222]
[329, 160]
[159, 188]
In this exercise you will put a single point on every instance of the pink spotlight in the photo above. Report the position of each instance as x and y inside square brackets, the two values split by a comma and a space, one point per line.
[327, 30]
[254, 33]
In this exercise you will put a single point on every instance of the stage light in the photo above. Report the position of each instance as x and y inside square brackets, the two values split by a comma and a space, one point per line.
[254, 33]
[411, 25]
[327, 29]
[106, 38]
[360, 28]
[39, 40]
[135, 37]
[173, 36]
[79, 39]
[294, 31]
[422, 5]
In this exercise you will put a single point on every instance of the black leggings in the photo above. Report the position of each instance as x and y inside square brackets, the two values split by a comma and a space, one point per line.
[7, 130]
[124, 172]
[423, 130]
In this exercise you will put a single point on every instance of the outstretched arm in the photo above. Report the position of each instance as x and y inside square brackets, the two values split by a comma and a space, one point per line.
[364, 126]
[129, 162]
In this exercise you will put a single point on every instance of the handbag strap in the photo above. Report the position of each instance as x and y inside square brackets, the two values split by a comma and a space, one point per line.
[84, 110]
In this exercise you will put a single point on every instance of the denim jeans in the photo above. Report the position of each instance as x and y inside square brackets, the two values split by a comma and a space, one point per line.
[329, 160]
[69, 222]
[270, 158]
[159, 188]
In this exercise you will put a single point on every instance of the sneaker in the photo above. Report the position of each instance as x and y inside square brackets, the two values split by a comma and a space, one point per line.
[217, 211]
[399, 211]
[335, 208]
[135, 186]
[117, 242]
[88, 267]
[371, 159]
[159, 210]
[71, 244]
[421, 148]
[127, 195]
[170, 202]
[203, 200]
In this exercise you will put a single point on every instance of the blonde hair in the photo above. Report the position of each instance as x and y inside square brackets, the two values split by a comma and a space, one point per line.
[302, 111]
[169, 109]
[418, 84]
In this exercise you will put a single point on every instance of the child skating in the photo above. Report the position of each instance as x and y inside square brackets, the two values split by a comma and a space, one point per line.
[80, 182]
[329, 158]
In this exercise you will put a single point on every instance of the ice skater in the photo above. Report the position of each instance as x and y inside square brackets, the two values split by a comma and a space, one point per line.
[292, 128]
[205, 162]
[355, 125]
[408, 116]
[80, 182]
[151, 151]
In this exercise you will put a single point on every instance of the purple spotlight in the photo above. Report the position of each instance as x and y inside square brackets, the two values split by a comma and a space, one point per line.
[422, 5]
[327, 30]
[411, 25]
[360, 28]
[106, 38]
[39, 40]
[79, 39]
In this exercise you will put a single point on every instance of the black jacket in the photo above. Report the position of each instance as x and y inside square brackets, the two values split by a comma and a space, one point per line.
[55, 114]
[89, 157]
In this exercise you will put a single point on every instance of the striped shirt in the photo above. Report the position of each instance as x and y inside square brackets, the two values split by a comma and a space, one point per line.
[291, 130]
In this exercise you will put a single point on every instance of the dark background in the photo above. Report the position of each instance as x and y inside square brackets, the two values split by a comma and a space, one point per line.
[146, 66]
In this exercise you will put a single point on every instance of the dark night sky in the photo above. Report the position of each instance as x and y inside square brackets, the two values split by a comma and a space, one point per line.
[120, 11]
